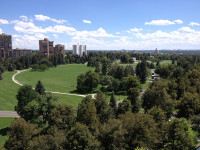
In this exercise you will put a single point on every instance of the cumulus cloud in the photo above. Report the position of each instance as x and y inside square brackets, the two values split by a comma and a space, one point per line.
[1, 31]
[87, 21]
[55, 36]
[194, 24]
[135, 30]
[178, 21]
[45, 18]
[24, 18]
[186, 29]
[163, 22]
[3, 21]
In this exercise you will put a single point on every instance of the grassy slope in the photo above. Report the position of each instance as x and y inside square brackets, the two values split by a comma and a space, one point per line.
[8, 91]
[4, 124]
[60, 79]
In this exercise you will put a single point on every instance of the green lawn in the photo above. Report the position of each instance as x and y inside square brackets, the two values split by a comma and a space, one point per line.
[4, 124]
[8, 91]
[63, 78]
[118, 96]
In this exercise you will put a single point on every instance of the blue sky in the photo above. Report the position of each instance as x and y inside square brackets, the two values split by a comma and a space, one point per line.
[103, 24]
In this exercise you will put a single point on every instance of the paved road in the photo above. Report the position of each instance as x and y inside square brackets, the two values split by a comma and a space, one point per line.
[8, 114]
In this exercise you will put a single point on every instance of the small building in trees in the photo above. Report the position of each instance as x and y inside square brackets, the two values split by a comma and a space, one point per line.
[18, 52]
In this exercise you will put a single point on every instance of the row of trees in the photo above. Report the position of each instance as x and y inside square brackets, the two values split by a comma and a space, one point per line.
[96, 124]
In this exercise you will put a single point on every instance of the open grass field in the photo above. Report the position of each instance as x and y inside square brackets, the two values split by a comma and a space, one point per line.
[63, 78]
[8, 91]
[4, 124]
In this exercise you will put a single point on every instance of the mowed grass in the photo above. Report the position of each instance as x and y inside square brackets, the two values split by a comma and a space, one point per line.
[63, 78]
[8, 91]
[4, 126]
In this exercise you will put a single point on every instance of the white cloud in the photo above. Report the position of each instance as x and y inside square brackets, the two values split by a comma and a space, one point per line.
[87, 21]
[117, 32]
[135, 30]
[24, 18]
[44, 18]
[1, 31]
[194, 24]
[55, 36]
[163, 22]
[178, 21]
[186, 29]
[3, 21]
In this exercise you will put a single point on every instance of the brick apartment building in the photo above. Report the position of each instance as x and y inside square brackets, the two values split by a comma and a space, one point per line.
[21, 52]
[5, 45]
[46, 48]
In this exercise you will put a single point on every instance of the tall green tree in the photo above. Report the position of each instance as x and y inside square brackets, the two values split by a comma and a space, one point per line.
[80, 137]
[20, 134]
[113, 100]
[86, 82]
[63, 117]
[25, 95]
[141, 71]
[40, 88]
[87, 114]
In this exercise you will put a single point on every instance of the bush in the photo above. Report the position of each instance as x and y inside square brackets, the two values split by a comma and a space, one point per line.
[43, 67]
[10, 67]
[35, 66]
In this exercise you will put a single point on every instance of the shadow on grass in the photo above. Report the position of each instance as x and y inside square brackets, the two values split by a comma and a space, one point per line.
[4, 131]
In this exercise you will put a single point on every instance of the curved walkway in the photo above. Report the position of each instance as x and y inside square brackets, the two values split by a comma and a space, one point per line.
[54, 92]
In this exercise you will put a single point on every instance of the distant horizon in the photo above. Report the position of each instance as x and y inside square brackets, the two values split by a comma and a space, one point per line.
[114, 25]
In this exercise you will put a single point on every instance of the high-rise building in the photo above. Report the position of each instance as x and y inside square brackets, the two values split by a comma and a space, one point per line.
[5, 45]
[21, 52]
[46, 47]
[59, 49]
[79, 50]
[157, 51]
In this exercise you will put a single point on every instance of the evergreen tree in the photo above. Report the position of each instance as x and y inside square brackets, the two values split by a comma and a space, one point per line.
[141, 71]
[97, 67]
[0, 75]
[40, 88]
[113, 101]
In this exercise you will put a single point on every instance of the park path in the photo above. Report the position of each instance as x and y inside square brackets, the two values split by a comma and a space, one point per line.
[9, 114]
[14, 114]
[54, 92]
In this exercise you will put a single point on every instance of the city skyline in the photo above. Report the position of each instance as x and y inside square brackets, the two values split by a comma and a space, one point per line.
[103, 25]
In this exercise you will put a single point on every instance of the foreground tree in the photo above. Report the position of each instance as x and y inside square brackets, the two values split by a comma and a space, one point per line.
[112, 135]
[25, 95]
[63, 117]
[20, 134]
[80, 137]
[40, 88]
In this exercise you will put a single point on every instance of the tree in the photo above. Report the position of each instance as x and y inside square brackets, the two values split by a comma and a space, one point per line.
[10, 67]
[129, 70]
[43, 67]
[112, 135]
[80, 137]
[189, 105]
[141, 130]
[141, 71]
[1, 78]
[125, 58]
[87, 114]
[97, 67]
[86, 82]
[104, 111]
[20, 134]
[35, 66]
[113, 100]
[124, 106]
[40, 88]
[178, 135]
[25, 95]
[157, 95]
[63, 117]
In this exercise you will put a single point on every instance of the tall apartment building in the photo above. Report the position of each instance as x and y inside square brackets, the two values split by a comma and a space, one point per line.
[79, 50]
[21, 52]
[46, 47]
[5, 45]
[59, 49]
